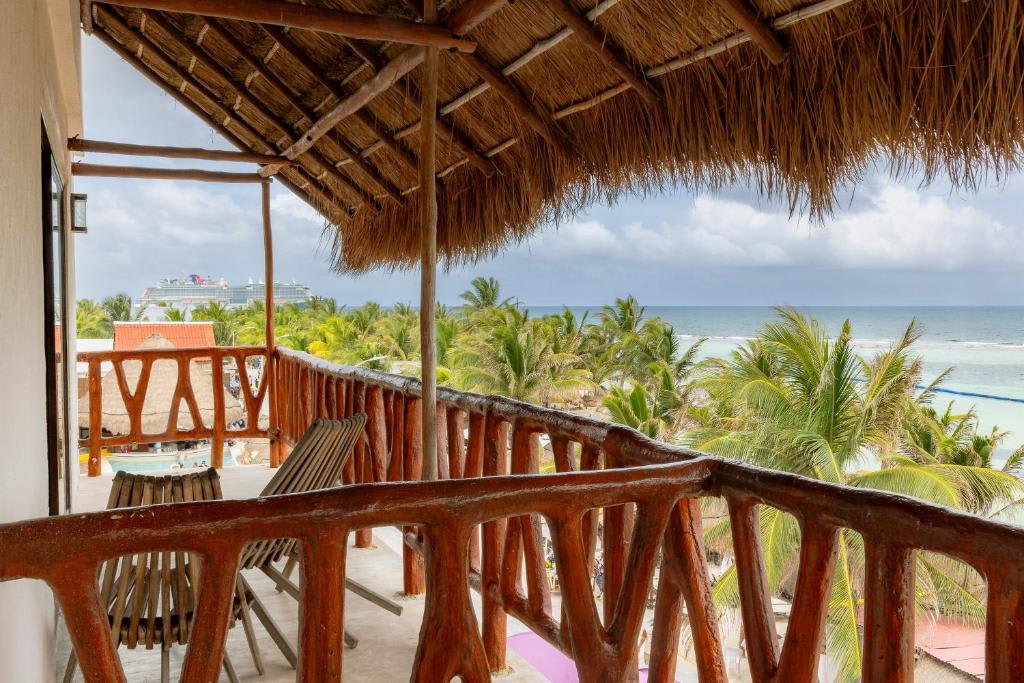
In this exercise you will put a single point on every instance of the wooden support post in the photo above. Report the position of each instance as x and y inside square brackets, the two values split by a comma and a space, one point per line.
[412, 562]
[428, 251]
[95, 417]
[889, 604]
[311, 18]
[270, 362]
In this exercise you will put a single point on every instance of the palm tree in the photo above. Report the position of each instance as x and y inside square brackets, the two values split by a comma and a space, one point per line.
[174, 315]
[91, 321]
[119, 308]
[483, 292]
[794, 400]
[518, 361]
[226, 323]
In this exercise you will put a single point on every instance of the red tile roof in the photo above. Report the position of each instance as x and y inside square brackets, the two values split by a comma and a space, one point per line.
[955, 644]
[130, 336]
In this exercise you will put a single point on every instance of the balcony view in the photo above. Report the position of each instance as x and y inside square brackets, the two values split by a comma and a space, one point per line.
[555, 340]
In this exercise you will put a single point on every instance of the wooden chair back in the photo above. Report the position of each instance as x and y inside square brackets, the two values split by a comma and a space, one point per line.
[150, 597]
[315, 463]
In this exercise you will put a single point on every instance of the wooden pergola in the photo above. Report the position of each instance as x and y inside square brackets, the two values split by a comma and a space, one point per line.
[445, 130]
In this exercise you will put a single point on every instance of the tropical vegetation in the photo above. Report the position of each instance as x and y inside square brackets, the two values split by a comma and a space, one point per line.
[793, 398]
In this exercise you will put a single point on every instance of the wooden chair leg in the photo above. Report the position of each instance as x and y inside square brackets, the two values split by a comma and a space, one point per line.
[229, 669]
[289, 567]
[69, 671]
[268, 623]
[165, 664]
[250, 633]
[350, 641]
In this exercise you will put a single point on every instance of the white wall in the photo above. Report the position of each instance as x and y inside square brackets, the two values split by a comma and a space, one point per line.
[40, 73]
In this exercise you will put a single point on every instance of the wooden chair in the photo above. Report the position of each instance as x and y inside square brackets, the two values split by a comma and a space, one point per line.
[151, 597]
[315, 463]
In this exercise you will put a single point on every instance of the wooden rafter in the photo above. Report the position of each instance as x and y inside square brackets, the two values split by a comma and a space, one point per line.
[444, 131]
[471, 14]
[305, 187]
[538, 120]
[364, 117]
[110, 171]
[607, 51]
[405, 62]
[199, 52]
[105, 147]
[187, 81]
[259, 67]
[746, 17]
[313, 18]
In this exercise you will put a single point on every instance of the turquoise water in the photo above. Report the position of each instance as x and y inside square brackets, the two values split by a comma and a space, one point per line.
[984, 345]
[142, 463]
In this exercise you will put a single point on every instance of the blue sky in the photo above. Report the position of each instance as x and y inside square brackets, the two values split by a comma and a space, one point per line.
[888, 243]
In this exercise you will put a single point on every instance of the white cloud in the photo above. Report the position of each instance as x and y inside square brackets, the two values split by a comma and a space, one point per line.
[899, 229]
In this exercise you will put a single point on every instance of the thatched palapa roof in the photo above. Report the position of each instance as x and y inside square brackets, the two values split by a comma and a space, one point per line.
[565, 102]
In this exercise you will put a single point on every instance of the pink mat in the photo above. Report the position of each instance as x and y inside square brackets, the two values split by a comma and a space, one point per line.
[547, 659]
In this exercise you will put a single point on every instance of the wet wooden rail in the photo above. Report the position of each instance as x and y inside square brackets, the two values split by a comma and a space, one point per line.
[615, 494]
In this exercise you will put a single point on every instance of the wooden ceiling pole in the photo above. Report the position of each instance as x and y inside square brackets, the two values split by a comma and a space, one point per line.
[296, 52]
[428, 252]
[312, 18]
[109, 18]
[203, 57]
[540, 122]
[271, 78]
[270, 364]
[745, 16]
[303, 188]
[104, 147]
[83, 170]
[607, 51]
[471, 14]
[402, 64]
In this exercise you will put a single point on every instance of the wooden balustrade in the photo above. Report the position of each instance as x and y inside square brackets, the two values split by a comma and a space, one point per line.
[134, 398]
[615, 494]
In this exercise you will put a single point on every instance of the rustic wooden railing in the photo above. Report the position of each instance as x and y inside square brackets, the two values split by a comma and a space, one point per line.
[135, 397]
[474, 437]
[635, 498]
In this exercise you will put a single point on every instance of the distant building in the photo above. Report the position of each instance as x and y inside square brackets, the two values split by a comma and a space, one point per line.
[194, 290]
[130, 336]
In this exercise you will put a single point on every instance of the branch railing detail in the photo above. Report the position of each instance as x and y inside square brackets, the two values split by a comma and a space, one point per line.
[489, 436]
[634, 499]
[135, 398]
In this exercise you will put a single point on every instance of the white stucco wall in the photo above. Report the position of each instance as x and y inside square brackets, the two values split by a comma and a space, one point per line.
[40, 76]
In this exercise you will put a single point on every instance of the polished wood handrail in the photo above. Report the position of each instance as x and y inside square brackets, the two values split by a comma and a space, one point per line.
[135, 398]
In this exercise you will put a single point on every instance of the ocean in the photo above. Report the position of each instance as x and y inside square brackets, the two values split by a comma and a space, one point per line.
[983, 345]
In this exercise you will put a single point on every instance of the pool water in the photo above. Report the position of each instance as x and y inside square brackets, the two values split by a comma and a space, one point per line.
[154, 462]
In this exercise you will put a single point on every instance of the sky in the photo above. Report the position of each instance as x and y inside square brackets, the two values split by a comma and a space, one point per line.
[888, 243]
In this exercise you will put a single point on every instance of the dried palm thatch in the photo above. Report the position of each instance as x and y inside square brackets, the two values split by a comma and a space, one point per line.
[929, 86]
[156, 408]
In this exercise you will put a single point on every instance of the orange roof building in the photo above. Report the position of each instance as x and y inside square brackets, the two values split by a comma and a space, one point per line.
[129, 336]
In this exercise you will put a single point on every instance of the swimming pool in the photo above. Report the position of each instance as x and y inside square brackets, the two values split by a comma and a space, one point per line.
[155, 462]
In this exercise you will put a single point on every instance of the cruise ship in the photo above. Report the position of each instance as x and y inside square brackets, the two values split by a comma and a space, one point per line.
[195, 290]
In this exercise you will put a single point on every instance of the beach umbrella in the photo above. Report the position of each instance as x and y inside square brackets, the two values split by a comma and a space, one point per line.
[157, 406]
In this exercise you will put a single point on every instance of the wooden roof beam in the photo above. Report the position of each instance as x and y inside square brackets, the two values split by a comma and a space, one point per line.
[108, 171]
[203, 57]
[293, 49]
[271, 78]
[541, 122]
[305, 185]
[606, 50]
[471, 14]
[402, 64]
[104, 147]
[746, 17]
[312, 18]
